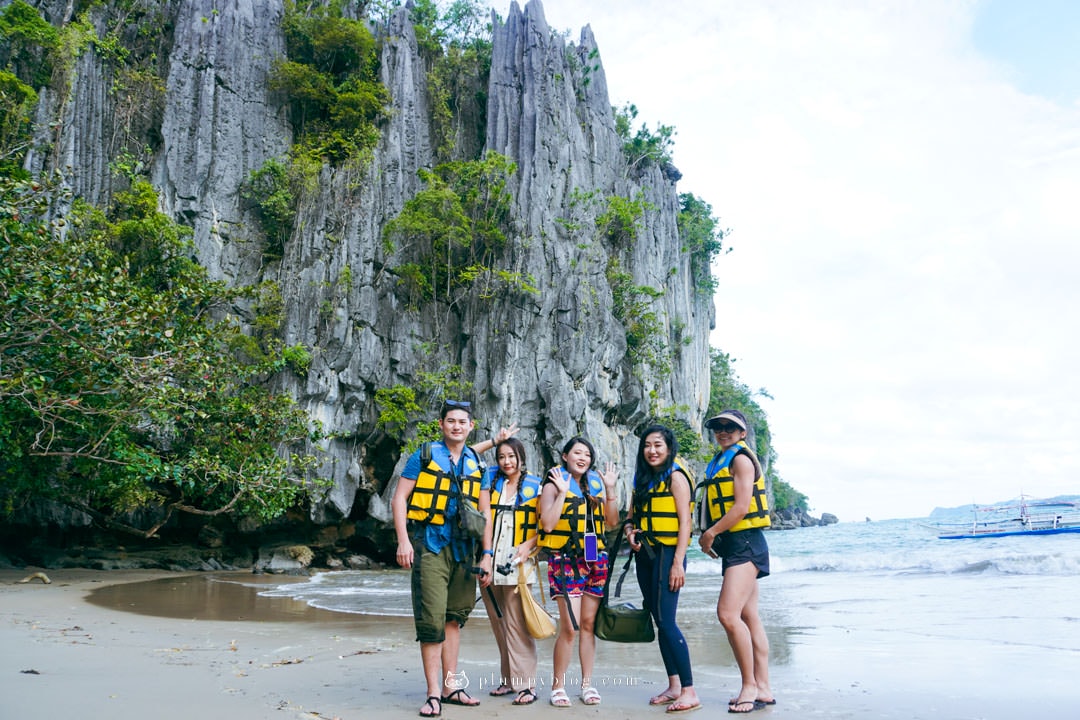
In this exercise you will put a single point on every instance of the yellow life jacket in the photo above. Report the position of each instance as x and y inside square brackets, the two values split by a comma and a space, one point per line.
[574, 518]
[717, 491]
[655, 510]
[523, 506]
[434, 485]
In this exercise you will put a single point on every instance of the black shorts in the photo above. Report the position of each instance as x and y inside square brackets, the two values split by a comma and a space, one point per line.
[736, 548]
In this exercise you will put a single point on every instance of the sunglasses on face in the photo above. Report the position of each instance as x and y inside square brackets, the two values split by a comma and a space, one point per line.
[726, 428]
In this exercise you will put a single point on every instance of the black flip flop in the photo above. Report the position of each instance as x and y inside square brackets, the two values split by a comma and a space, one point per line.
[526, 693]
[432, 699]
[454, 699]
[752, 703]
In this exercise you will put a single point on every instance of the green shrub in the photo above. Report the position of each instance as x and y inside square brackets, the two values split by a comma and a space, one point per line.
[17, 101]
[30, 42]
[331, 80]
[646, 337]
[454, 230]
[642, 147]
[701, 238]
[119, 389]
[621, 220]
[269, 188]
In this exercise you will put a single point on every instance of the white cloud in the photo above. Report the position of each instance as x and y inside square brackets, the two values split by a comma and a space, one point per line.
[905, 231]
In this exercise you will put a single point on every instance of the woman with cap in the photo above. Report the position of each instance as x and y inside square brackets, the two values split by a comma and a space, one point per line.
[658, 529]
[733, 510]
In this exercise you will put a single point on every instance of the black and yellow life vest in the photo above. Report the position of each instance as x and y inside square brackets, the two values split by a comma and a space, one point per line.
[435, 485]
[523, 505]
[574, 520]
[655, 511]
[717, 491]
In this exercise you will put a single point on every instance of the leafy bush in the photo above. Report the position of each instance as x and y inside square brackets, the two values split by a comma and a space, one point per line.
[331, 80]
[456, 43]
[621, 220]
[400, 406]
[29, 41]
[119, 390]
[642, 147]
[17, 101]
[701, 239]
[632, 306]
[269, 188]
[453, 231]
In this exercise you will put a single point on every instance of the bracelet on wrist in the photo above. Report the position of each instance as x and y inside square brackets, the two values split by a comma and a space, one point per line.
[489, 552]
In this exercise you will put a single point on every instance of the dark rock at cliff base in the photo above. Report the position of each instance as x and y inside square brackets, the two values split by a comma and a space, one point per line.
[793, 518]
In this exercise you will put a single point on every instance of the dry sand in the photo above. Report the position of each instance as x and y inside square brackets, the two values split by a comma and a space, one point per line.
[192, 646]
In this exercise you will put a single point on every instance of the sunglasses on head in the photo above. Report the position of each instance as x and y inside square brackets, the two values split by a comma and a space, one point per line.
[463, 404]
[726, 428]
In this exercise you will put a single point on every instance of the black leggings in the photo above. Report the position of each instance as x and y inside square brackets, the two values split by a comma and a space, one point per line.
[653, 578]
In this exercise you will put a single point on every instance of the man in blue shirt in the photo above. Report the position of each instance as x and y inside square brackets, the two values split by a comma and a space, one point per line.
[425, 508]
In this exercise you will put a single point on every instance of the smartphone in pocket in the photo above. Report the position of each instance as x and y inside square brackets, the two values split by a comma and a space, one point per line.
[591, 551]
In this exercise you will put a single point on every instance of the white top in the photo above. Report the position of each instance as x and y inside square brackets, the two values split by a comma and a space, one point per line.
[503, 544]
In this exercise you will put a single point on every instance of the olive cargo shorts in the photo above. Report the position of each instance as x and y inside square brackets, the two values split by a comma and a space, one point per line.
[442, 590]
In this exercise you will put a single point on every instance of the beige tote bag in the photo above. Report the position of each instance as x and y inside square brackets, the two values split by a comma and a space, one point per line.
[538, 621]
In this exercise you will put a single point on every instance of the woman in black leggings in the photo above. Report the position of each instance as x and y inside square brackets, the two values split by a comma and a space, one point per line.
[660, 534]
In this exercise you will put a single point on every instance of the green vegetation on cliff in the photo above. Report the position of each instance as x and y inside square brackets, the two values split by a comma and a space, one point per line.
[452, 234]
[728, 392]
[331, 80]
[128, 380]
[120, 386]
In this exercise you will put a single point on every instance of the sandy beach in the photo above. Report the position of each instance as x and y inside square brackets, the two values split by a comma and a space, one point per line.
[225, 652]
[135, 644]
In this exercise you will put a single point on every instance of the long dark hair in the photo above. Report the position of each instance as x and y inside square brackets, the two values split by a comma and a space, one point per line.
[644, 474]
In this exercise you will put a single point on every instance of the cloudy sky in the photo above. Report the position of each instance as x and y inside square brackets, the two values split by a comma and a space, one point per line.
[902, 183]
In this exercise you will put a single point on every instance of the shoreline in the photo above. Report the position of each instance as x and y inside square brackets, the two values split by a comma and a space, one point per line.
[98, 644]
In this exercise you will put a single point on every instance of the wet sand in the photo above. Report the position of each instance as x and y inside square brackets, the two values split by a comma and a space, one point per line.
[133, 644]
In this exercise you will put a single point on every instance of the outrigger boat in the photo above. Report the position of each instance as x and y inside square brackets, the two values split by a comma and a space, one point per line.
[1025, 517]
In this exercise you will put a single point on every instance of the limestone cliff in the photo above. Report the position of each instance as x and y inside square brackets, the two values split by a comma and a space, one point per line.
[555, 361]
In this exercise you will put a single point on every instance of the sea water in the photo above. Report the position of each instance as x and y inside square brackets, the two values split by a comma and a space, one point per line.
[892, 562]
[862, 610]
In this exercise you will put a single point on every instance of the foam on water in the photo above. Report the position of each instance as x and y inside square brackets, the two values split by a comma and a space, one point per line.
[863, 553]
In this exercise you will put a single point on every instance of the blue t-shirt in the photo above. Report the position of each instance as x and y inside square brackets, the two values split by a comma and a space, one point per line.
[436, 537]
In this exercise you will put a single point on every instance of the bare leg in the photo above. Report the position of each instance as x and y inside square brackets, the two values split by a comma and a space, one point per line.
[450, 648]
[740, 582]
[430, 654]
[760, 642]
[564, 641]
[450, 653]
[587, 640]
